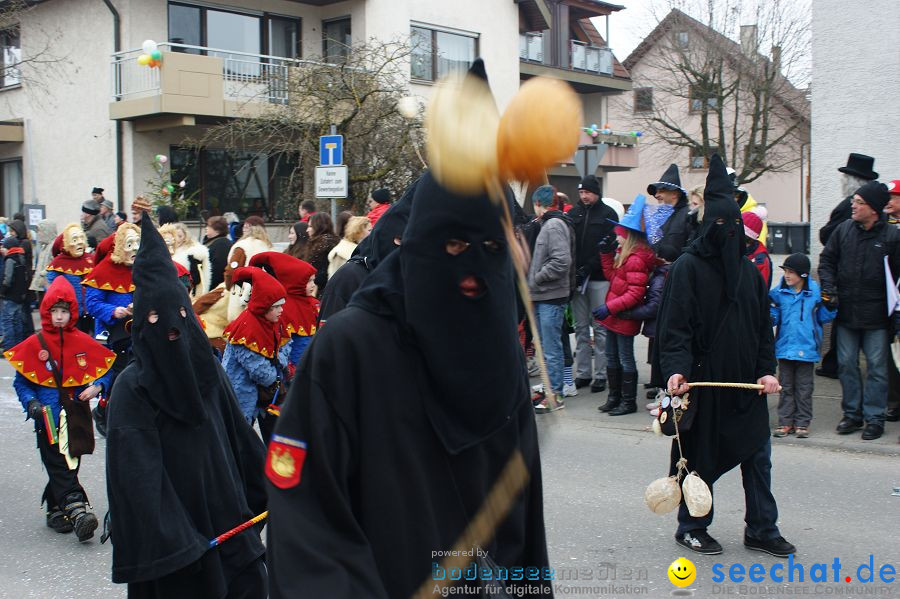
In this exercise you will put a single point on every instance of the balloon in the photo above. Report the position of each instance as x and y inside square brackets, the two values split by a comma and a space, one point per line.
[162, 159]
[638, 133]
[164, 191]
[594, 133]
[170, 188]
[143, 60]
[182, 184]
[606, 126]
[408, 107]
[149, 47]
[154, 64]
[156, 55]
[593, 125]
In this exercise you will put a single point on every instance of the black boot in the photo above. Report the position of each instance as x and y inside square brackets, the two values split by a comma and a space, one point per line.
[614, 382]
[56, 519]
[629, 395]
[83, 521]
[99, 414]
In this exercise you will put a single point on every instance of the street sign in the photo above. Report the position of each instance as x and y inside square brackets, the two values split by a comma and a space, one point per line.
[331, 181]
[331, 150]
[587, 158]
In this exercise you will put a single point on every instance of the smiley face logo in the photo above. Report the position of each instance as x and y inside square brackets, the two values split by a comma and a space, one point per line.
[682, 572]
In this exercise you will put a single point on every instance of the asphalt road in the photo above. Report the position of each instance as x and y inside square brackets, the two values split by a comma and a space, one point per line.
[834, 496]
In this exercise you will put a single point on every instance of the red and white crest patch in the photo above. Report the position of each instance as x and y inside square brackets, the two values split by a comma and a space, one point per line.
[284, 461]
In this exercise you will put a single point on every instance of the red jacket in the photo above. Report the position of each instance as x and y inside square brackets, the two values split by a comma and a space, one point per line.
[763, 263]
[376, 212]
[627, 287]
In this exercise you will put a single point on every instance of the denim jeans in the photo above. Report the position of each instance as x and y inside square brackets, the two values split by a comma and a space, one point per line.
[863, 403]
[761, 510]
[620, 352]
[550, 322]
[582, 307]
[12, 324]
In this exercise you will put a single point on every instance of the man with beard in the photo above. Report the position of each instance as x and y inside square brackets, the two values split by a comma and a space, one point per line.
[396, 471]
[384, 239]
[712, 297]
[183, 466]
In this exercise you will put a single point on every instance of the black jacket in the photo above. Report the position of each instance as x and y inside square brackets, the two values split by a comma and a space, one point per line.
[591, 225]
[218, 247]
[852, 265]
[14, 284]
[341, 286]
[841, 213]
[676, 230]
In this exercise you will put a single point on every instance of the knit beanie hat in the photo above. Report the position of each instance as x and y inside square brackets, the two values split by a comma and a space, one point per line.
[752, 225]
[382, 196]
[543, 196]
[591, 184]
[875, 194]
[799, 263]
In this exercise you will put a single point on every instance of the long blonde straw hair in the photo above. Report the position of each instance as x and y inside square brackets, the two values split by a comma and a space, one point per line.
[633, 241]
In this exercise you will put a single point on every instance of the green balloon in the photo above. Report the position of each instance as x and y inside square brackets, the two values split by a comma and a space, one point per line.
[156, 55]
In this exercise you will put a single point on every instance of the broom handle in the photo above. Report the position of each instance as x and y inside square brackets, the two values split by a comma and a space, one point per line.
[752, 386]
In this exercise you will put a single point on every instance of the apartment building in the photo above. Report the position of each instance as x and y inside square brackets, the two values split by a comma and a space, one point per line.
[96, 117]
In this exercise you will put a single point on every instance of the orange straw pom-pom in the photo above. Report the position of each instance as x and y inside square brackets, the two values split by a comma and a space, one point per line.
[539, 129]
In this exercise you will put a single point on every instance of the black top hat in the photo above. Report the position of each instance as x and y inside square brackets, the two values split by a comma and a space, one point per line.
[860, 165]
[97, 190]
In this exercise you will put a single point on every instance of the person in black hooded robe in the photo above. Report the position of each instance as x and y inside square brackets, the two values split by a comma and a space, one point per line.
[714, 325]
[183, 465]
[383, 240]
[402, 451]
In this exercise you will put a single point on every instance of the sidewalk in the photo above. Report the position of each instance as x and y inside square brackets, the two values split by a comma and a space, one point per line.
[826, 415]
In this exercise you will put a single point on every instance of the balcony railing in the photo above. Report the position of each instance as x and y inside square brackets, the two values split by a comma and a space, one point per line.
[531, 46]
[246, 76]
[593, 59]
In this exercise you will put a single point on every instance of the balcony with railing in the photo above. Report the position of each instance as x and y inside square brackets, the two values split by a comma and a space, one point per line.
[197, 81]
[589, 68]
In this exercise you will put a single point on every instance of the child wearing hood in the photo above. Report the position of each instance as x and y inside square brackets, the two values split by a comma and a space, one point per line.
[798, 313]
[56, 362]
[258, 347]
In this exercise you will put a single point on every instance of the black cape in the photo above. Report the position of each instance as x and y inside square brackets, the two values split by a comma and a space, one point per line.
[173, 486]
[730, 424]
[341, 286]
[376, 494]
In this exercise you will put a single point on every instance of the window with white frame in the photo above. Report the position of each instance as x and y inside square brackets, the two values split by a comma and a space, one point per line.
[437, 52]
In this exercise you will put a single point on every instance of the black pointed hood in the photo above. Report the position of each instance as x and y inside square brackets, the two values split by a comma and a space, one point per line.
[722, 232]
[669, 180]
[172, 354]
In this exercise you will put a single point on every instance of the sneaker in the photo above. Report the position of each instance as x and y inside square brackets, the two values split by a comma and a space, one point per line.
[699, 541]
[802, 432]
[783, 431]
[56, 519]
[534, 369]
[654, 412]
[546, 405]
[539, 388]
[777, 546]
[569, 390]
[538, 396]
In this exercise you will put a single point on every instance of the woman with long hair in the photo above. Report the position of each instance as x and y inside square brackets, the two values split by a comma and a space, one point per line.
[194, 256]
[321, 241]
[298, 237]
[356, 229]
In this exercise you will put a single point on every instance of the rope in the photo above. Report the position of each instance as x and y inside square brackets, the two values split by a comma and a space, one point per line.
[237, 529]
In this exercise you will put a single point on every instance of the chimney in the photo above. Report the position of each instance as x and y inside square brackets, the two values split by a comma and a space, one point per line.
[776, 58]
[749, 41]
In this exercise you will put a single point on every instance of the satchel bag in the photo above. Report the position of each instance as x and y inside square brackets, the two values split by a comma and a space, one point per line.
[78, 413]
[274, 393]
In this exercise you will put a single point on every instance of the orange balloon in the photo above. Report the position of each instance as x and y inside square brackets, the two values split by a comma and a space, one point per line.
[539, 129]
[153, 63]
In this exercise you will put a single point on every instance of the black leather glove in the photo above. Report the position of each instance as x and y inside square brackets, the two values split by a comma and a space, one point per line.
[608, 244]
[35, 410]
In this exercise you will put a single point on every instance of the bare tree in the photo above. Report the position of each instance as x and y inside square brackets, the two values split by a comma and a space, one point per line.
[359, 94]
[740, 103]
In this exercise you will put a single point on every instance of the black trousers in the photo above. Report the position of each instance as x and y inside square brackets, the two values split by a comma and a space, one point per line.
[63, 482]
[250, 583]
[829, 360]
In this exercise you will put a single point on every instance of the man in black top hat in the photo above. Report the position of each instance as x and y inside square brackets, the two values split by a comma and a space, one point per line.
[853, 176]
[591, 219]
[713, 296]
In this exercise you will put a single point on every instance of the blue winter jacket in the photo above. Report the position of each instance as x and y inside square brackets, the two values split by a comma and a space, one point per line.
[75, 280]
[101, 304]
[246, 369]
[48, 396]
[299, 343]
[799, 317]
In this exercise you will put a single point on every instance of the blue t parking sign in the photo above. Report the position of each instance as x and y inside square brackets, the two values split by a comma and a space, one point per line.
[331, 150]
